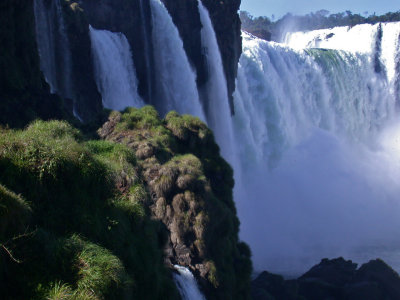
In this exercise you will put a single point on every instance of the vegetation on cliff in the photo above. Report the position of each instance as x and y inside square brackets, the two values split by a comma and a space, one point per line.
[91, 219]
[74, 221]
[191, 193]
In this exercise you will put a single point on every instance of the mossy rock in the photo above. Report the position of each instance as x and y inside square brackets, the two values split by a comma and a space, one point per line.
[191, 193]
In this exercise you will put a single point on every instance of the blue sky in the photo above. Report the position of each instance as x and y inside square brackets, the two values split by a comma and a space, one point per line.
[281, 7]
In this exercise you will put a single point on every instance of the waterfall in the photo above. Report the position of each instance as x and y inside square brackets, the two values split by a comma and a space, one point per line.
[186, 284]
[217, 102]
[176, 80]
[360, 38]
[315, 141]
[391, 55]
[319, 148]
[114, 70]
[54, 48]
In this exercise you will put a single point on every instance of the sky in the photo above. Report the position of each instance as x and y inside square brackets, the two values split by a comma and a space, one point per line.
[281, 7]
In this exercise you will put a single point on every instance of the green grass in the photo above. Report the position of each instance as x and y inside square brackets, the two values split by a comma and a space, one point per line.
[90, 235]
[14, 214]
[77, 212]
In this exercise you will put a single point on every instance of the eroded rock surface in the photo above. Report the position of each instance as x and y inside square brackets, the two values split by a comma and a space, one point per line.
[190, 191]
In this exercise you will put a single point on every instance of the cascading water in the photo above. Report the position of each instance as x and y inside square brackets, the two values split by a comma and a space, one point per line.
[319, 148]
[217, 103]
[114, 70]
[316, 130]
[176, 80]
[186, 284]
[360, 38]
[54, 49]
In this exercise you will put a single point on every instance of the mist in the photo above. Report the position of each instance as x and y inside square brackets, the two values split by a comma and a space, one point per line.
[320, 152]
[326, 198]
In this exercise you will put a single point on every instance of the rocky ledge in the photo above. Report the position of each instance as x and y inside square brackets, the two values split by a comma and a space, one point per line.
[190, 188]
[335, 279]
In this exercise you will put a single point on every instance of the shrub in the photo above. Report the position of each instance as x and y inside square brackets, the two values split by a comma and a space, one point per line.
[100, 271]
[59, 291]
[14, 213]
[93, 237]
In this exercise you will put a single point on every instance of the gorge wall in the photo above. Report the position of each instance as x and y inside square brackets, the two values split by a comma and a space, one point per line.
[133, 19]
[185, 187]
[24, 95]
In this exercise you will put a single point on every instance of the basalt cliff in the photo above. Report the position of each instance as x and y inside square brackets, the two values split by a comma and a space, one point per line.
[101, 205]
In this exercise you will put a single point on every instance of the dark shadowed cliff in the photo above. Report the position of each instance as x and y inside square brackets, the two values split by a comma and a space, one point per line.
[107, 219]
[24, 95]
[335, 279]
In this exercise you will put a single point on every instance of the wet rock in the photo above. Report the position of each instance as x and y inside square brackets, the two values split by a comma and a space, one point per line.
[335, 279]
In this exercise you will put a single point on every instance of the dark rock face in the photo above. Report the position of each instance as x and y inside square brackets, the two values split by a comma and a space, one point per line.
[88, 100]
[336, 271]
[24, 94]
[260, 33]
[17, 19]
[271, 286]
[376, 272]
[335, 279]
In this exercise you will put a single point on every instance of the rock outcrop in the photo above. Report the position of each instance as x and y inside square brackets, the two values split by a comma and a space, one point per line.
[87, 100]
[191, 194]
[335, 279]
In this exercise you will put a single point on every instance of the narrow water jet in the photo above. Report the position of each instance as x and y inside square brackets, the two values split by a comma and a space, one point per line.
[186, 284]
[217, 101]
[114, 70]
[176, 79]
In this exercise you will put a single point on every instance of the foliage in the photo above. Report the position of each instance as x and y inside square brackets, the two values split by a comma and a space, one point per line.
[59, 291]
[89, 235]
[14, 213]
